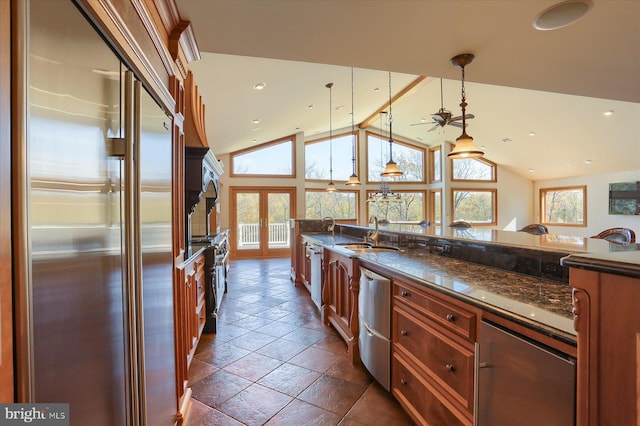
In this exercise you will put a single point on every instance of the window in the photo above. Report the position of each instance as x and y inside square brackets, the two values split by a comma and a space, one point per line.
[435, 164]
[476, 206]
[435, 206]
[316, 158]
[473, 170]
[409, 208]
[410, 159]
[564, 206]
[275, 158]
[341, 205]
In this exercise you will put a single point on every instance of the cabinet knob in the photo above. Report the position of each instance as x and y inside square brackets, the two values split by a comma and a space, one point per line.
[450, 367]
[451, 317]
[404, 293]
[403, 381]
[404, 332]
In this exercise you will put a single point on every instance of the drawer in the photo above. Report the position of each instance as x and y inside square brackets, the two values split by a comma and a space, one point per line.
[419, 398]
[445, 362]
[447, 314]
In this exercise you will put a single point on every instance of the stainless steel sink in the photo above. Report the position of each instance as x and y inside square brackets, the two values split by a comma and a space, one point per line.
[352, 246]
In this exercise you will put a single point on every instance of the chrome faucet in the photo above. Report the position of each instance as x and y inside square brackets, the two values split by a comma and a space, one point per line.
[373, 236]
[332, 225]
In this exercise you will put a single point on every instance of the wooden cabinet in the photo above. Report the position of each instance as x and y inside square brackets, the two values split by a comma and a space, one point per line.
[191, 300]
[433, 345]
[608, 326]
[340, 298]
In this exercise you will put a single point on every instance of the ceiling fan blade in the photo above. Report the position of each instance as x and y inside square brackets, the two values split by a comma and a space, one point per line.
[437, 118]
[420, 124]
[459, 117]
[434, 128]
[455, 124]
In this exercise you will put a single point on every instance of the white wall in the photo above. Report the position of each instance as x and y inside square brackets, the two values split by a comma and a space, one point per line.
[598, 217]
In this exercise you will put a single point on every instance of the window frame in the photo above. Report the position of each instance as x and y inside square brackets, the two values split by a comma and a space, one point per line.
[542, 205]
[312, 141]
[494, 204]
[400, 191]
[494, 170]
[291, 138]
[432, 206]
[395, 141]
[435, 152]
[340, 220]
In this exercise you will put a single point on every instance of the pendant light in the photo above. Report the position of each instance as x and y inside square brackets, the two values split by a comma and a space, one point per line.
[391, 170]
[353, 179]
[465, 147]
[331, 187]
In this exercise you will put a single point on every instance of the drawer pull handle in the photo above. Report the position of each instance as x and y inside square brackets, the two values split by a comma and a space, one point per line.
[404, 332]
[404, 293]
[403, 381]
[450, 367]
[451, 317]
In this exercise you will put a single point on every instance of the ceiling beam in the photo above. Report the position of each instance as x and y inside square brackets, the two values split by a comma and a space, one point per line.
[373, 117]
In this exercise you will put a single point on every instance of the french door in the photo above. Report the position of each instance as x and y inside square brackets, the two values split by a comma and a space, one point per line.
[260, 221]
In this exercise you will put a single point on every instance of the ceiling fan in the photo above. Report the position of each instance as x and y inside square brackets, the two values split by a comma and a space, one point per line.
[443, 117]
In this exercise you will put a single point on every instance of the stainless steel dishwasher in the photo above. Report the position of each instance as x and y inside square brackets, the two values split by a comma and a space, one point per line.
[374, 340]
[522, 383]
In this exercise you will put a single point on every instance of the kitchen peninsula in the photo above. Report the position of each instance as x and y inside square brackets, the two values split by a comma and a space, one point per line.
[514, 280]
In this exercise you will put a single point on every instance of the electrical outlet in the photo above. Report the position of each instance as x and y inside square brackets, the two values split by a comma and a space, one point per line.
[551, 268]
[446, 249]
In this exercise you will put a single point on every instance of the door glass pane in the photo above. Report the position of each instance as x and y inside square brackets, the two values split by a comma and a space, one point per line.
[278, 219]
[248, 213]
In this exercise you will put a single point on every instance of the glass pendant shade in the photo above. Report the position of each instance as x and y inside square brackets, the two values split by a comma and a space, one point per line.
[465, 148]
[331, 187]
[391, 170]
[353, 180]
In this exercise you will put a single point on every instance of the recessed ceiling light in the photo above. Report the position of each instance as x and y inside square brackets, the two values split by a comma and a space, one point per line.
[311, 106]
[339, 107]
[259, 86]
[608, 113]
[423, 119]
[254, 141]
[376, 90]
[561, 14]
[256, 120]
[532, 133]
[587, 161]
[532, 170]
[506, 140]
[483, 147]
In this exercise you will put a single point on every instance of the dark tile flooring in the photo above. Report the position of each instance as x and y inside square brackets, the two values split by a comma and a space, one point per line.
[273, 361]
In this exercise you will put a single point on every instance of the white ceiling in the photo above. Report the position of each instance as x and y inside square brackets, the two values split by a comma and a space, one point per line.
[554, 83]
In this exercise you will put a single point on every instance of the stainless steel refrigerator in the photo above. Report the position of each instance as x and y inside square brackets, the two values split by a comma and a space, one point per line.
[98, 165]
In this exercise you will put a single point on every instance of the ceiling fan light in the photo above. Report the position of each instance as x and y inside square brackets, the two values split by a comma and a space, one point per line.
[331, 187]
[391, 170]
[465, 148]
[353, 180]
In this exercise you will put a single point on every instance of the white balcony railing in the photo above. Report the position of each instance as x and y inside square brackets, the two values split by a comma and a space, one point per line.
[249, 235]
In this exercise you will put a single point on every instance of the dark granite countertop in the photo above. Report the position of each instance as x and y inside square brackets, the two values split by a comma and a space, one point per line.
[537, 303]
[615, 262]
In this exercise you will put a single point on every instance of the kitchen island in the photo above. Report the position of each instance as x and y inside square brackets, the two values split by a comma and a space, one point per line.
[517, 281]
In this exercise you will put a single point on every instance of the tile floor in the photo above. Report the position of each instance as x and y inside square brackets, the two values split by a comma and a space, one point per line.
[273, 362]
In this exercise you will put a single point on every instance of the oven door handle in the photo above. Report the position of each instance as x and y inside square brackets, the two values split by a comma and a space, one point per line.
[223, 261]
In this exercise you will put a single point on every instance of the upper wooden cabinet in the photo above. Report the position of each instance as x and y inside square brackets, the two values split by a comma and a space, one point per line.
[194, 125]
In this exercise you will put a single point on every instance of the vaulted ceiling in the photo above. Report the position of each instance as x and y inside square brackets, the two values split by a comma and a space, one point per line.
[538, 96]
